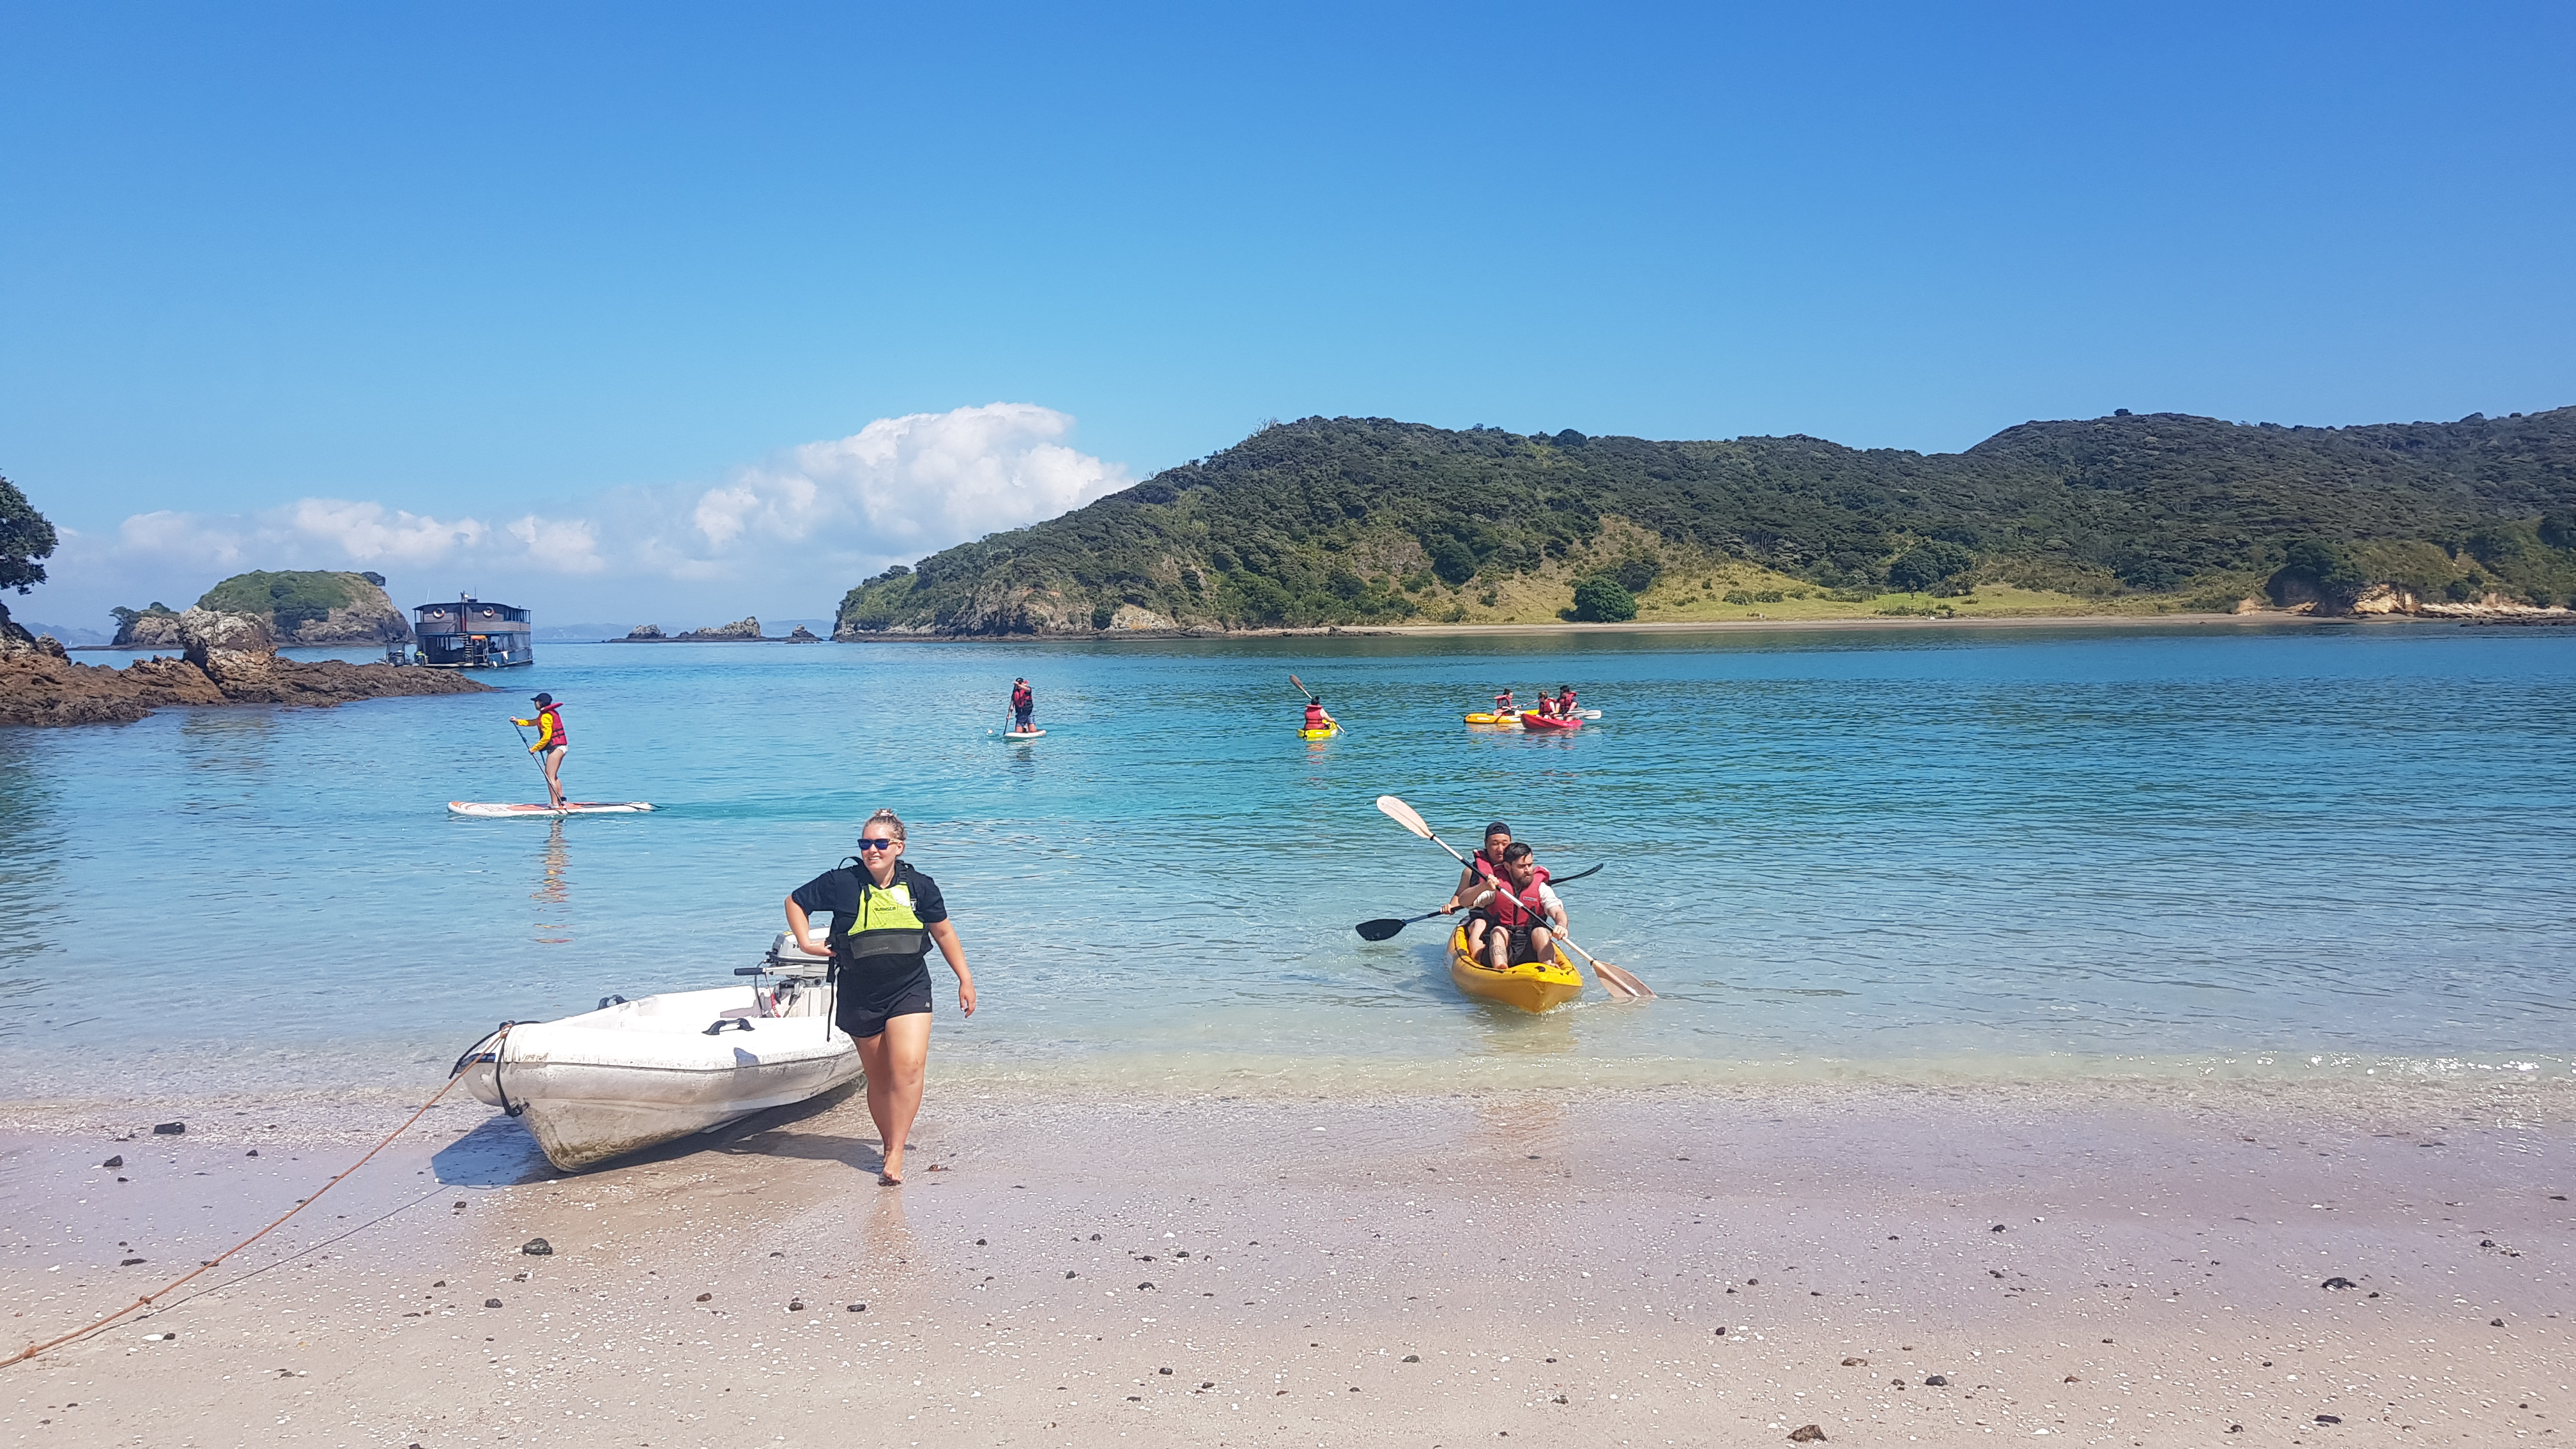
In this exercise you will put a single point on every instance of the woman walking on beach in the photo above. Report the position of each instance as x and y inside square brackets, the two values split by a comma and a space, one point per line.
[885, 915]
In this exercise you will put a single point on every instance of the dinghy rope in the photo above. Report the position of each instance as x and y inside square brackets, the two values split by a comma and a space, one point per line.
[107, 1320]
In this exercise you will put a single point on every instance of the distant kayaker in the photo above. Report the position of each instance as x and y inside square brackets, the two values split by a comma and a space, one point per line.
[1527, 915]
[885, 915]
[1546, 705]
[1024, 707]
[1316, 718]
[1482, 871]
[1565, 701]
[551, 744]
[1503, 704]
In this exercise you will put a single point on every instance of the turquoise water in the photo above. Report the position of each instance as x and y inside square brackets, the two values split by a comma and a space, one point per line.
[1881, 851]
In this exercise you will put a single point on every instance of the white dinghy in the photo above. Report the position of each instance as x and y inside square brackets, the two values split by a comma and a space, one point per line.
[633, 1074]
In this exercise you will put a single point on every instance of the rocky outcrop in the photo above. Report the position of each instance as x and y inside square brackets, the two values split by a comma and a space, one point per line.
[313, 606]
[14, 638]
[802, 635]
[156, 627]
[747, 628]
[643, 632]
[1136, 616]
[230, 660]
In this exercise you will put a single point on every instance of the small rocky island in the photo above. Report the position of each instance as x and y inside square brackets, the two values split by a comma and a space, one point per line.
[299, 606]
[227, 658]
[745, 630]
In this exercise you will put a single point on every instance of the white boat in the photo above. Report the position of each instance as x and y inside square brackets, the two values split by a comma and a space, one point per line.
[634, 1074]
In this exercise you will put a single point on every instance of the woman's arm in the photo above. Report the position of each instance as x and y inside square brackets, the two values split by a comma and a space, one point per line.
[799, 925]
[950, 948]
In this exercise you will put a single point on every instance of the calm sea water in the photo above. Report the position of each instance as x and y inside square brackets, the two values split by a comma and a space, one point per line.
[2289, 851]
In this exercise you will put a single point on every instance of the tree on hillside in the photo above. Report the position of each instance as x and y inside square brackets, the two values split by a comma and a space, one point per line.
[25, 540]
[1602, 601]
[2325, 567]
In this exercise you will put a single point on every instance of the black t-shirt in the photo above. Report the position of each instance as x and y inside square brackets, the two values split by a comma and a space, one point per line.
[837, 891]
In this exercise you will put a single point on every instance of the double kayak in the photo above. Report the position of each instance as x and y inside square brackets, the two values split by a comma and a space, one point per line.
[1326, 733]
[1549, 722]
[1534, 987]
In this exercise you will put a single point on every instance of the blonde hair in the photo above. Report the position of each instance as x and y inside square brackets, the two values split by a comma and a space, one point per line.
[892, 821]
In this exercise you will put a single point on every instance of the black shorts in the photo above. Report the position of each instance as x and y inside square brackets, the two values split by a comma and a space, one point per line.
[870, 995]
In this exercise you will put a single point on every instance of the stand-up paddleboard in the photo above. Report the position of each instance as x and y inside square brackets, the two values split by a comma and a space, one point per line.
[1021, 737]
[483, 811]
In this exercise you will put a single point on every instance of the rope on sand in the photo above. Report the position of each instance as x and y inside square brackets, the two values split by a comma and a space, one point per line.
[106, 1320]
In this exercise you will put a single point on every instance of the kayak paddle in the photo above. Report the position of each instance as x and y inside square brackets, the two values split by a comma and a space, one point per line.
[1380, 929]
[1619, 983]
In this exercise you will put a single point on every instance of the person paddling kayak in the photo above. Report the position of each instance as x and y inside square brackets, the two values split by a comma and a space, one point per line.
[1482, 870]
[1565, 701]
[1503, 704]
[550, 746]
[1024, 707]
[1316, 718]
[885, 918]
[1527, 915]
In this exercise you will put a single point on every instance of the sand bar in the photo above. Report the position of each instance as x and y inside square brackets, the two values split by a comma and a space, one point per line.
[1432, 1271]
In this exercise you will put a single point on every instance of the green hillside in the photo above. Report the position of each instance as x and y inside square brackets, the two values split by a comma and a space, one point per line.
[1364, 520]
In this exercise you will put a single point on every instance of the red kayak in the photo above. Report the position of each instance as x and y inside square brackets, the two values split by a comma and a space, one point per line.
[1548, 722]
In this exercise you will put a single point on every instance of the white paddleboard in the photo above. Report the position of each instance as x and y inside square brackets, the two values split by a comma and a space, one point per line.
[1022, 738]
[483, 811]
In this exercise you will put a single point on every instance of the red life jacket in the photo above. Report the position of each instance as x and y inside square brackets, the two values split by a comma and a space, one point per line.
[550, 729]
[1522, 907]
[1021, 699]
[1314, 716]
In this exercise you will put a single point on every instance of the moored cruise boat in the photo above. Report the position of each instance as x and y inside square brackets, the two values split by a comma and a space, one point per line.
[473, 633]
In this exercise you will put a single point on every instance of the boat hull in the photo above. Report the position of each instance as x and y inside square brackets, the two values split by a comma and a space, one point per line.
[638, 1074]
[1326, 733]
[1536, 987]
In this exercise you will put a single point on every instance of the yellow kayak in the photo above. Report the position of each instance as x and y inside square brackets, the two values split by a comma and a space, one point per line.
[1538, 986]
[1326, 733]
[1494, 719]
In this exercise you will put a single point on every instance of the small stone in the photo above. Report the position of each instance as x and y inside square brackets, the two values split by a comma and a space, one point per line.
[2486, 1242]
[796, 1305]
[1896, 1383]
[2329, 1418]
[2495, 1323]
[858, 1308]
[703, 1297]
[1937, 1381]
[1721, 1330]
[1413, 1358]
[2072, 1379]
[491, 1302]
[254, 1152]
[1209, 1384]
[1854, 1362]
[2338, 1281]
[1997, 1228]
[117, 1161]
[1807, 1434]
[1143, 1286]
[537, 1248]
[129, 1262]
[1749, 1282]
[1071, 1274]
[168, 1129]
[1164, 1371]
[979, 1242]
[1135, 1398]
[441, 1283]
[2235, 1428]
[1095, 1237]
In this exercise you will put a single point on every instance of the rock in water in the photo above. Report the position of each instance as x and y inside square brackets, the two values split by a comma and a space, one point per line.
[744, 628]
[234, 650]
[646, 631]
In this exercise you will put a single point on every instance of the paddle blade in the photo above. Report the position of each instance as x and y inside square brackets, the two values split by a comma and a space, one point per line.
[1380, 930]
[1404, 815]
[1620, 982]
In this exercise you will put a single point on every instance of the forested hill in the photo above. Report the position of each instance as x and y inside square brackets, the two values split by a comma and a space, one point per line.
[1360, 520]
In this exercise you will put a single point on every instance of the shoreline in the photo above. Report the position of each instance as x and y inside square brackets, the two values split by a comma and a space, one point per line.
[1565, 1268]
[1711, 626]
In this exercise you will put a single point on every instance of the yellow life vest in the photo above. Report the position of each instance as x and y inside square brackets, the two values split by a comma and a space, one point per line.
[884, 924]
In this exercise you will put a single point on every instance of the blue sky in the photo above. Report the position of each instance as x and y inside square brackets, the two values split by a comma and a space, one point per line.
[476, 263]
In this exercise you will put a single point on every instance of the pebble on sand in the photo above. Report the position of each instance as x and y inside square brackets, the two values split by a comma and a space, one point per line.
[1937, 1381]
[2329, 1418]
[858, 1308]
[537, 1248]
[168, 1129]
[117, 1161]
[1807, 1434]
[2338, 1281]
[703, 1297]
[491, 1302]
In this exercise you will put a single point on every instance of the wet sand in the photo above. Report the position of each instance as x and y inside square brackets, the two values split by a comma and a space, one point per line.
[2095, 1263]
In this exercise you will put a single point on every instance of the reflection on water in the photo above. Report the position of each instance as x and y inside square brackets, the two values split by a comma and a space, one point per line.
[553, 894]
[31, 846]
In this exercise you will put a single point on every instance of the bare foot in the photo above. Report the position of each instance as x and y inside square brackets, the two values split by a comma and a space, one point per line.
[887, 1179]
[890, 1173]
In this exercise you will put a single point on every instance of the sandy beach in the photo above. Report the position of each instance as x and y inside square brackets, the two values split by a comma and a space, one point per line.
[2113, 1263]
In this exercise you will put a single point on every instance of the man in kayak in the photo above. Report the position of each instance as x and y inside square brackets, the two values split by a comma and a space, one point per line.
[1565, 701]
[551, 744]
[1316, 719]
[1527, 915]
[1024, 707]
[1482, 870]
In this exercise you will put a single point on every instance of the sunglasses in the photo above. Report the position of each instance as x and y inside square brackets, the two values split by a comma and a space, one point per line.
[876, 845]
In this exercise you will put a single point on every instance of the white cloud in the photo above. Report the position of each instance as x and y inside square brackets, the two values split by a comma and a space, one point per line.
[828, 512]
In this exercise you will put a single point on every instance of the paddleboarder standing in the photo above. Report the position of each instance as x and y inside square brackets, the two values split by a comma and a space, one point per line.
[1024, 706]
[550, 746]
[885, 918]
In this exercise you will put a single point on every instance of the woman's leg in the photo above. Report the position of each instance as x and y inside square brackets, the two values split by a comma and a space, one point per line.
[554, 777]
[895, 1059]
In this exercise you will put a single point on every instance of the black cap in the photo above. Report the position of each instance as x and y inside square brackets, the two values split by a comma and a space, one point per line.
[1497, 828]
[541, 699]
